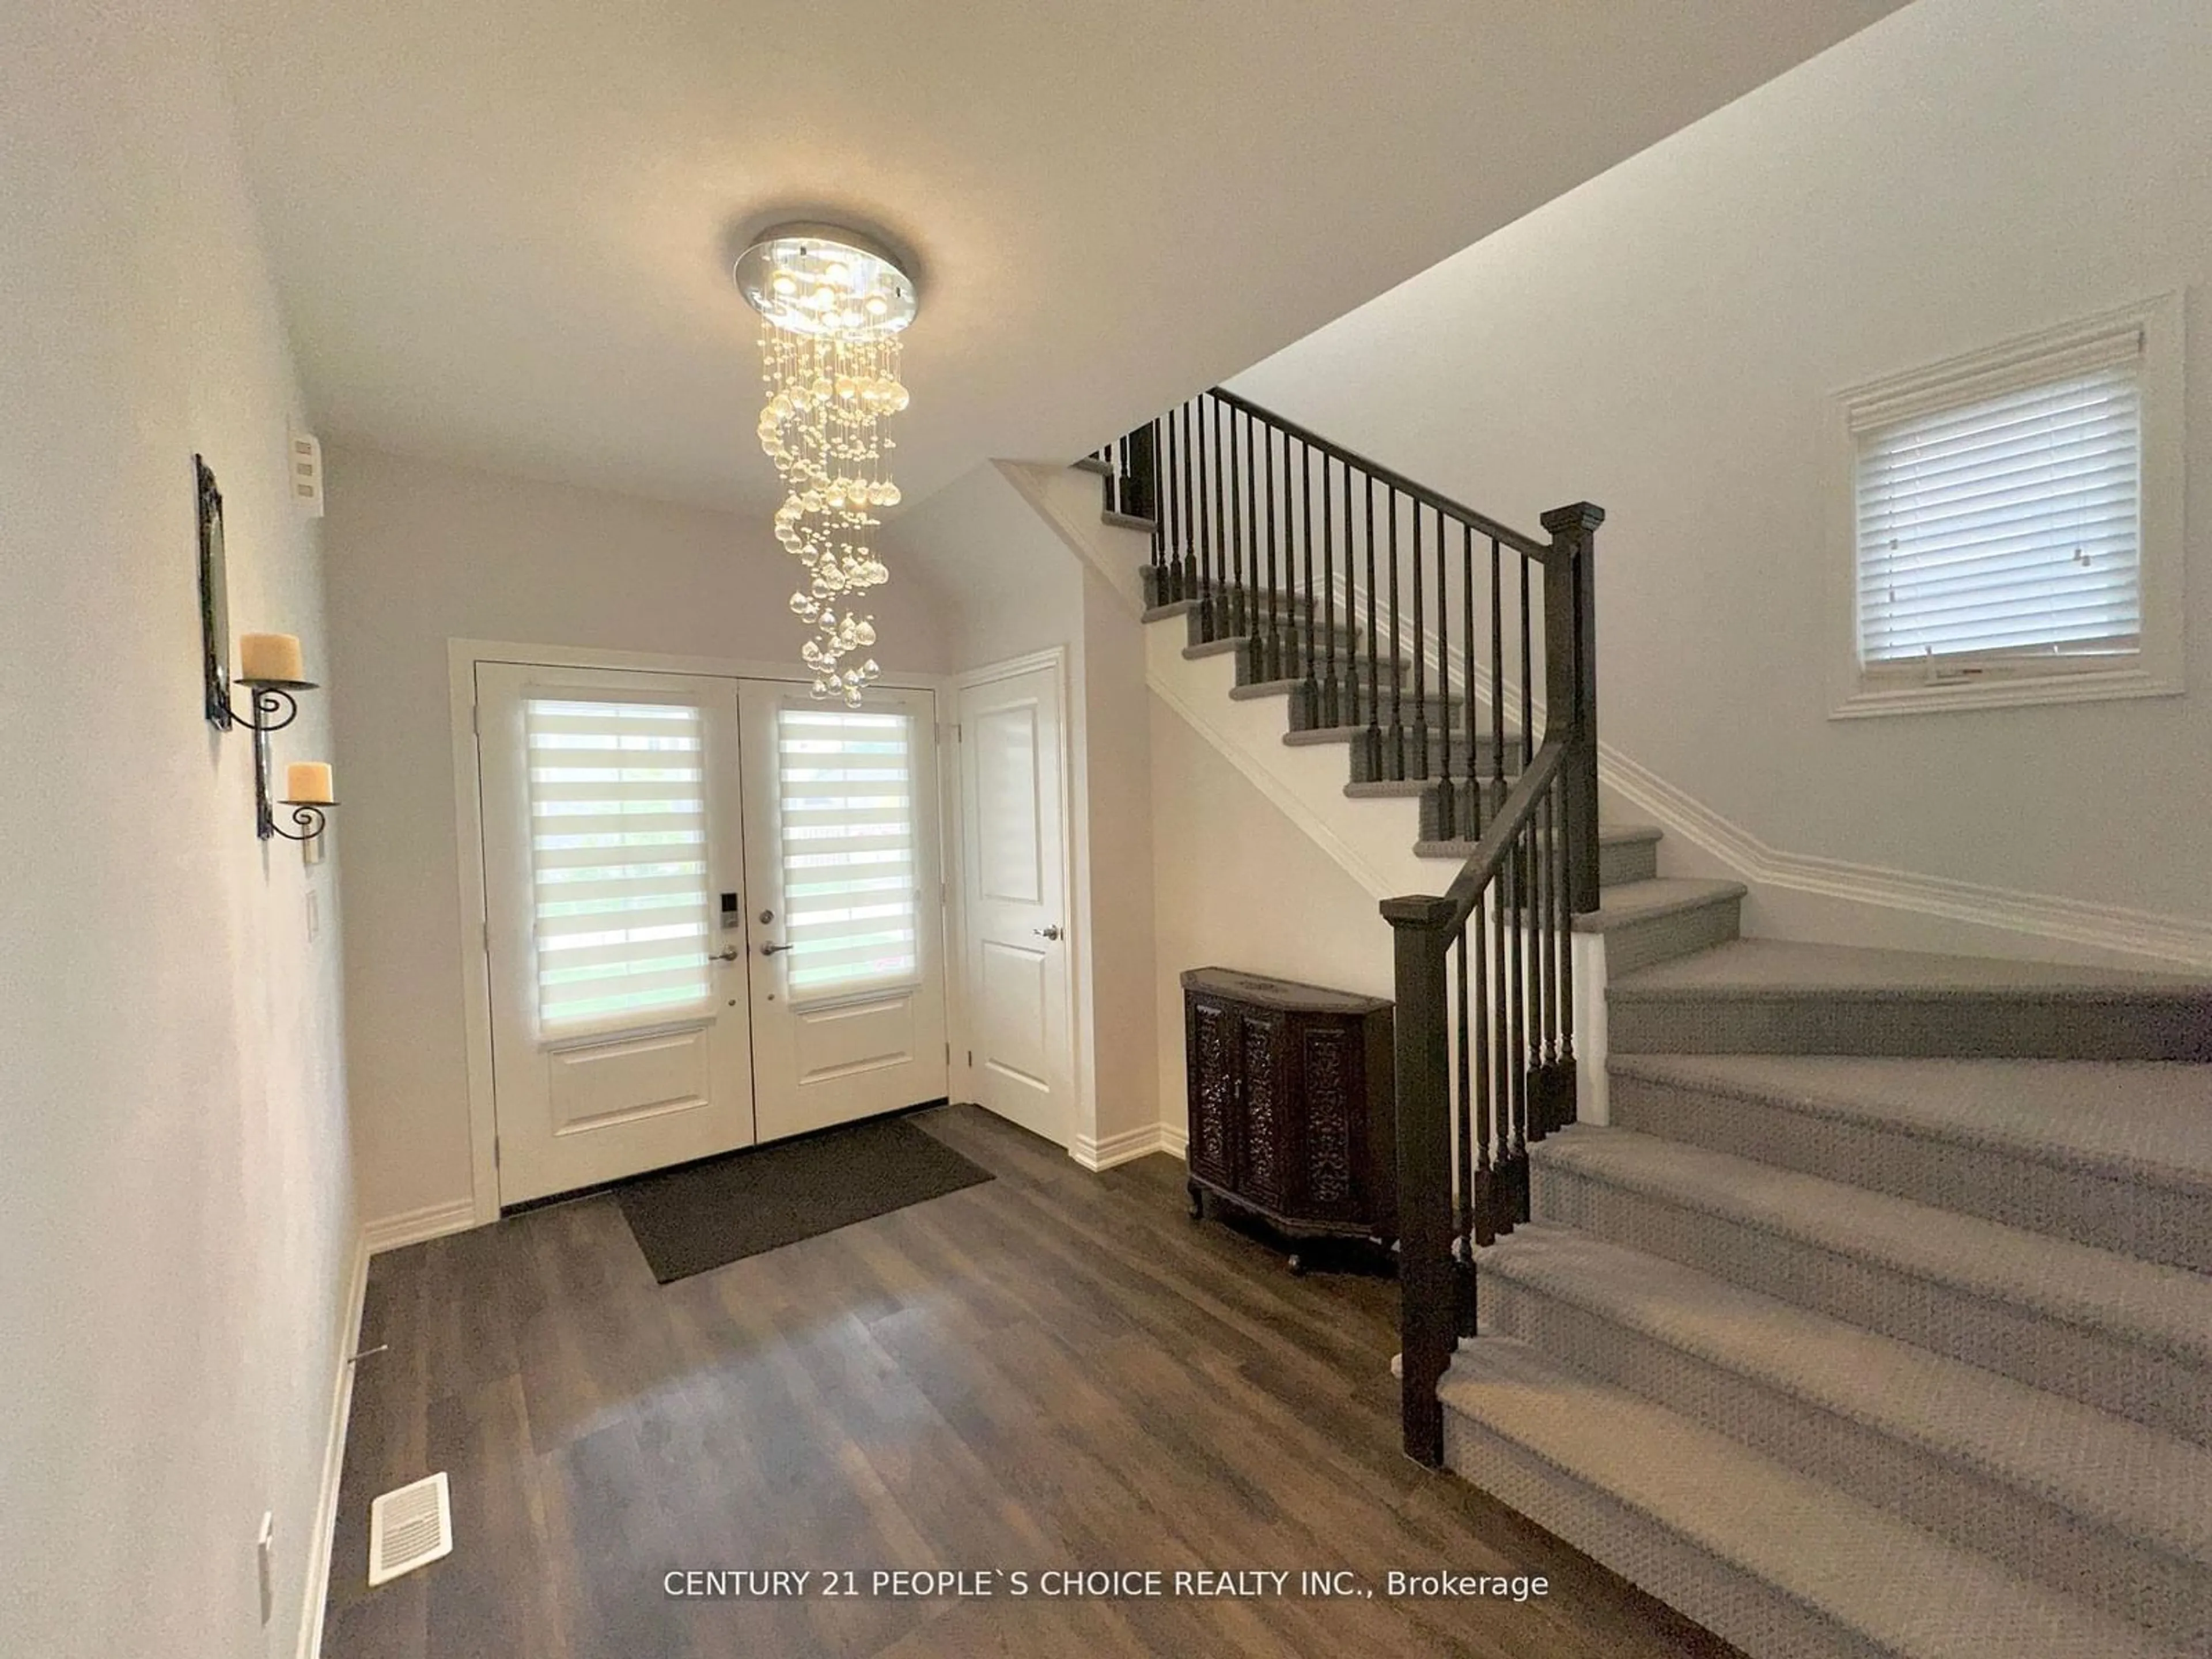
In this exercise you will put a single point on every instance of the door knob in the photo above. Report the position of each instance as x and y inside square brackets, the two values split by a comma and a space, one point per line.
[729, 955]
[770, 949]
[1051, 930]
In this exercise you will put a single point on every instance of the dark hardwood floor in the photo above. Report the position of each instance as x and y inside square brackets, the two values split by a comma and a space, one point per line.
[1055, 1370]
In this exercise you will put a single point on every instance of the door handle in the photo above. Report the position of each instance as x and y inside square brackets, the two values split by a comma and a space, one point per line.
[769, 949]
[1051, 930]
[729, 955]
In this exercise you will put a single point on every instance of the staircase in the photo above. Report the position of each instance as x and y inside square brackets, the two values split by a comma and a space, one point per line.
[1877, 1321]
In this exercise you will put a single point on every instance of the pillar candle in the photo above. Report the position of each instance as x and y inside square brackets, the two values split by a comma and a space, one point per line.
[269, 657]
[309, 782]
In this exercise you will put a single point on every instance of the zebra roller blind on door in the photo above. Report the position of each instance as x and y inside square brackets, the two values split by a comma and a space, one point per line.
[846, 818]
[618, 860]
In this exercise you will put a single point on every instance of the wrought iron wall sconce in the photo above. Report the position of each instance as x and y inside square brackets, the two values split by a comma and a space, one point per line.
[272, 674]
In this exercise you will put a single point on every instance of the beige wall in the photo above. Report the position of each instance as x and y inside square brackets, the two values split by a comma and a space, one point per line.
[422, 553]
[176, 1208]
[1237, 885]
[1666, 339]
[1023, 589]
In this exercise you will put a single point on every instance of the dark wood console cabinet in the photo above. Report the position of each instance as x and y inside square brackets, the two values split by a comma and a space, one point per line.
[1292, 1112]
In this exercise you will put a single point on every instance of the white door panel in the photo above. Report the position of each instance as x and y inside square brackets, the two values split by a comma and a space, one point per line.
[612, 827]
[1014, 882]
[846, 904]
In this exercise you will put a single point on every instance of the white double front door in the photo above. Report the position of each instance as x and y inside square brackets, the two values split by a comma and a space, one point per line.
[713, 915]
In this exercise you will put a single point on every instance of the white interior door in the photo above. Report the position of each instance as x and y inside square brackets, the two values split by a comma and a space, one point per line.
[613, 859]
[1014, 882]
[846, 905]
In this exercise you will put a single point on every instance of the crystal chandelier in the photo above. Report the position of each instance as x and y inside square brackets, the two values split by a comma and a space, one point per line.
[832, 308]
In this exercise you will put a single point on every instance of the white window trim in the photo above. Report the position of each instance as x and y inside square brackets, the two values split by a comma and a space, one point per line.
[1855, 691]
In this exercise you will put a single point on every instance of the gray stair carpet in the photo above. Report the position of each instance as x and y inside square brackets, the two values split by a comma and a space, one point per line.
[1772, 996]
[1657, 921]
[2117, 1154]
[2078, 1499]
[1879, 1326]
[2128, 1336]
[1784, 1565]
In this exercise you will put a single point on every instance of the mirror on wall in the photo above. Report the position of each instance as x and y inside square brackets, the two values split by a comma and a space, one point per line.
[215, 600]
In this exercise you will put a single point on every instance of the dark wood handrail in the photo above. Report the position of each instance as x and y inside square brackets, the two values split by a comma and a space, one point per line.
[1483, 523]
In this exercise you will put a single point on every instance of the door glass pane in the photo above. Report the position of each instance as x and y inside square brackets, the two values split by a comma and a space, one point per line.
[617, 860]
[845, 812]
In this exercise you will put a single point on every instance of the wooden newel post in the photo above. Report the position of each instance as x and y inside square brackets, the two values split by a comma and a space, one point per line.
[1427, 1289]
[1571, 686]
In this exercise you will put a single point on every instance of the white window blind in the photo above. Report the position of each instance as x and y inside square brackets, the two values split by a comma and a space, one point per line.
[617, 860]
[2004, 526]
[845, 786]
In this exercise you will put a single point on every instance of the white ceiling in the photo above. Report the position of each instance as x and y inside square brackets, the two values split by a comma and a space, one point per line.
[503, 229]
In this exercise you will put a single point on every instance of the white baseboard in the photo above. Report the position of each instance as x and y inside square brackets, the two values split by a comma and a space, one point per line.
[413, 1226]
[2179, 941]
[1116, 1149]
[321, 1540]
[1174, 1140]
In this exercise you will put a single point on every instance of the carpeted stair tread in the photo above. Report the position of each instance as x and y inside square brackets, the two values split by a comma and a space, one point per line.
[2167, 1308]
[1632, 902]
[1771, 996]
[2149, 1486]
[2146, 1119]
[1891, 1587]
[1760, 967]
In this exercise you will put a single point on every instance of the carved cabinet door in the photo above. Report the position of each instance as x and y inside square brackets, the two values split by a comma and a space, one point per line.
[1214, 1106]
[1270, 1142]
[1333, 1088]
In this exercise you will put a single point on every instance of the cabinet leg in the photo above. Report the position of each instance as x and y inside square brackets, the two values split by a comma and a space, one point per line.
[1197, 1200]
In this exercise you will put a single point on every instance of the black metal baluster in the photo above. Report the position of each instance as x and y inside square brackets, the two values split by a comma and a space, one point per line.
[1517, 1004]
[1464, 1127]
[1330, 712]
[1528, 699]
[1187, 571]
[1496, 677]
[1566, 953]
[1562, 942]
[1251, 628]
[1446, 815]
[1419, 763]
[1269, 666]
[1397, 743]
[1201, 585]
[1373, 692]
[1486, 1196]
[1165, 526]
[1540, 927]
[1500, 1051]
[1217, 621]
[1471, 818]
[1236, 532]
[1312, 690]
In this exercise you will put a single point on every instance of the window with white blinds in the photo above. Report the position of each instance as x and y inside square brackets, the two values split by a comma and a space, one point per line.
[617, 860]
[2001, 528]
[845, 783]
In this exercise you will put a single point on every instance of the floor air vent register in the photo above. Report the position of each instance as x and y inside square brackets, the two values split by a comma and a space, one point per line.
[408, 1528]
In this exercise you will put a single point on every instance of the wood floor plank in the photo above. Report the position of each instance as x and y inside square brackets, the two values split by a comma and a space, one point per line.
[1053, 1370]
